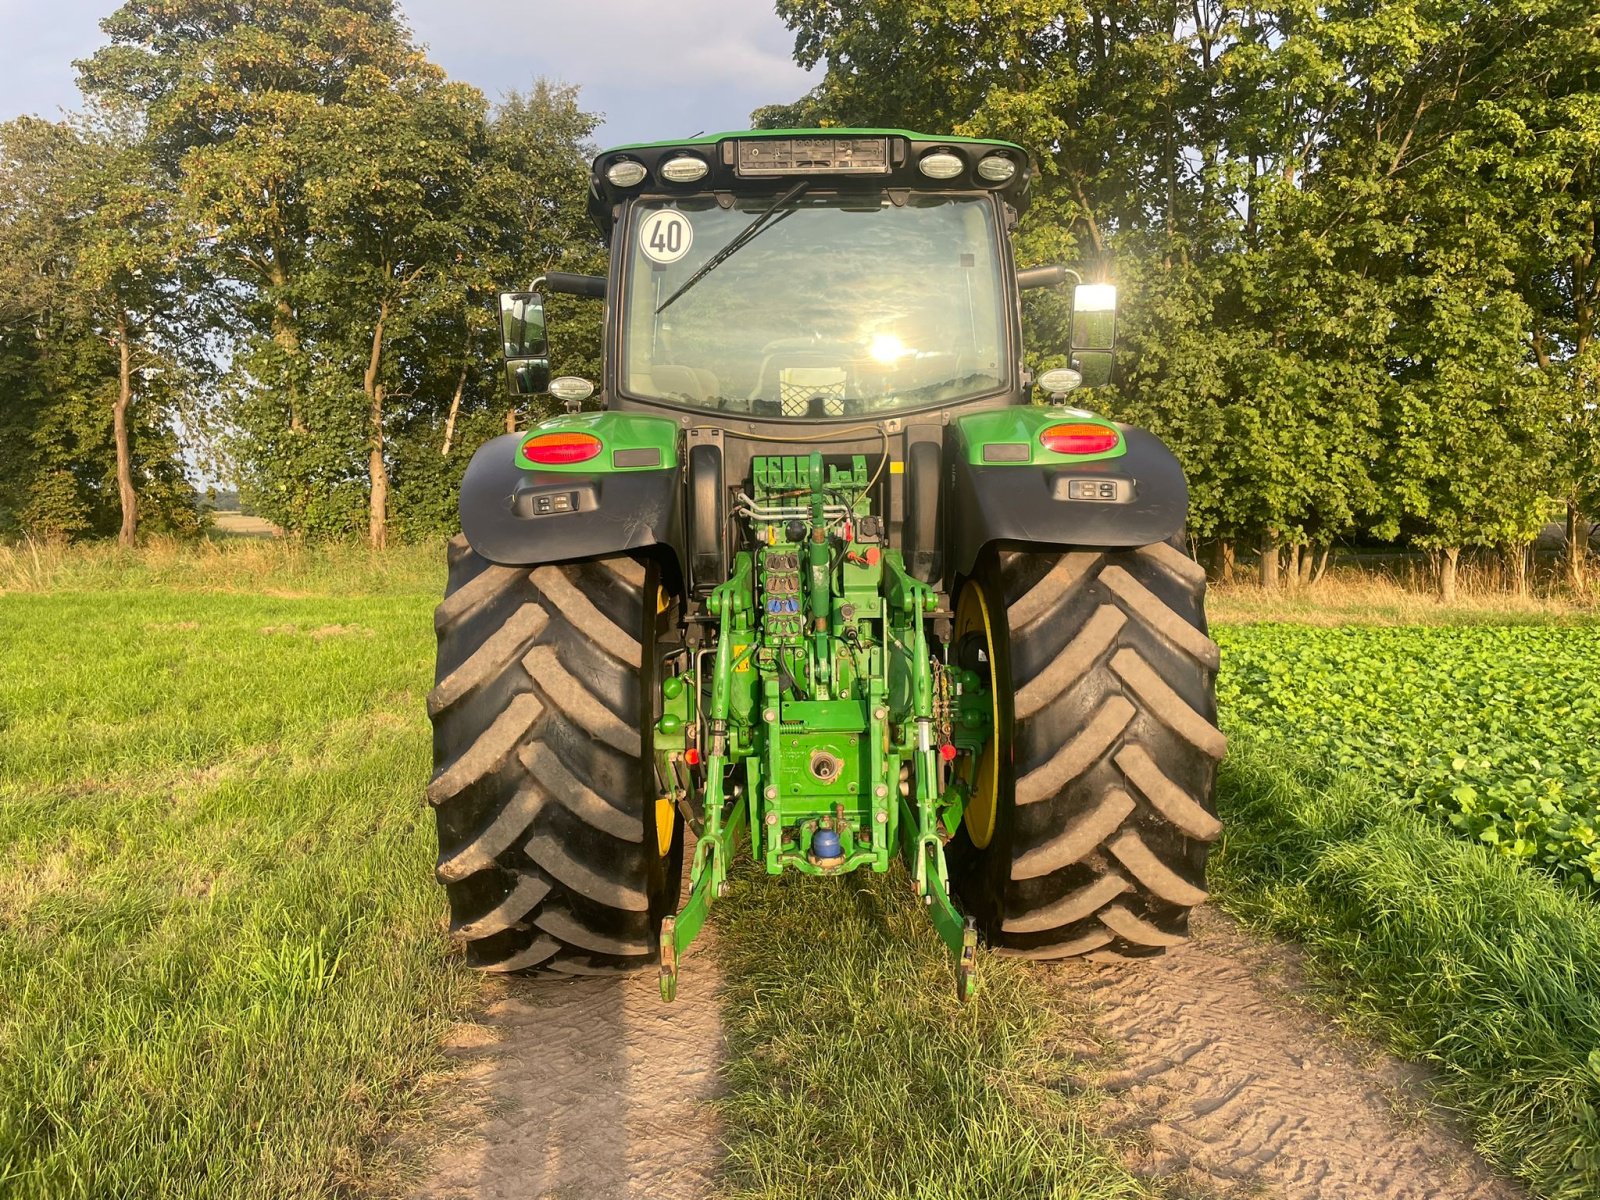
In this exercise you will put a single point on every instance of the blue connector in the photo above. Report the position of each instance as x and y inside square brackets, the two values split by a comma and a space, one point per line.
[825, 844]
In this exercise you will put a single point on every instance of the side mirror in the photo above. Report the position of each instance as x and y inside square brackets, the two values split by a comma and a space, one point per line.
[522, 325]
[1094, 366]
[1094, 331]
[527, 348]
[527, 377]
[1094, 316]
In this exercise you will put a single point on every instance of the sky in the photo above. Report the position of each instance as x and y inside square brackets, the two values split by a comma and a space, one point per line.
[656, 69]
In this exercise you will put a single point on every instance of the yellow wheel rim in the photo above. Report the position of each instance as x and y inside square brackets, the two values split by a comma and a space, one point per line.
[666, 819]
[666, 811]
[983, 777]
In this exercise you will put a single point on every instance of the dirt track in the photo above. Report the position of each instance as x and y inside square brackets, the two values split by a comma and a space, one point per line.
[1223, 1083]
[1226, 1079]
[594, 1090]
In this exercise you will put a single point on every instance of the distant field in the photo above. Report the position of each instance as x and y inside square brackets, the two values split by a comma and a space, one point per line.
[237, 524]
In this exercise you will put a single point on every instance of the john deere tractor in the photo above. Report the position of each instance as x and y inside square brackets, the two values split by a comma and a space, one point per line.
[827, 579]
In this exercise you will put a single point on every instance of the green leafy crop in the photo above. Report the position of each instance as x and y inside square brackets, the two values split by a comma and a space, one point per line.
[1496, 730]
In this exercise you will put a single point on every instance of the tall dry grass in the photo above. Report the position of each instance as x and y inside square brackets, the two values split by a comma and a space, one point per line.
[285, 567]
[1399, 593]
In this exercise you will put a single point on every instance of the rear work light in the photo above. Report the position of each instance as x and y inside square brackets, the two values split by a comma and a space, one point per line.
[1079, 439]
[559, 448]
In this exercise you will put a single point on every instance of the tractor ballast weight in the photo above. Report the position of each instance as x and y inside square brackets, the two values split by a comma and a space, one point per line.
[819, 581]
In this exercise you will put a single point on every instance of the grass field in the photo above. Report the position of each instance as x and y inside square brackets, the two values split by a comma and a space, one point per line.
[223, 970]
[1357, 596]
[854, 1073]
[1446, 952]
[1440, 860]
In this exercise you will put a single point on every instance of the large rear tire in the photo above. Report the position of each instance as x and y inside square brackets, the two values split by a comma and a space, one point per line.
[551, 846]
[1105, 754]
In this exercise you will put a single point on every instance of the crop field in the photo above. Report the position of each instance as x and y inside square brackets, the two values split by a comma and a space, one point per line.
[1495, 729]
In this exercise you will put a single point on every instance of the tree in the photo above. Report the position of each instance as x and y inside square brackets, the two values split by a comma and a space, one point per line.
[89, 265]
[236, 105]
[1312, 213]
[356, 214]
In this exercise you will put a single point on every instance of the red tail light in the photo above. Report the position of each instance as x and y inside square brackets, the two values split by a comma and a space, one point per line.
[560, 448]
[1079, 439]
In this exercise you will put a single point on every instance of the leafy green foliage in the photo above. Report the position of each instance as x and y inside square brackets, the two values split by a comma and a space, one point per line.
[351, 215]
[1490, 728]
[86, 280]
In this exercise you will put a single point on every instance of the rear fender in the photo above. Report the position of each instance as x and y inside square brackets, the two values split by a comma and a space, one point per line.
[1032, 501]
[625, 498]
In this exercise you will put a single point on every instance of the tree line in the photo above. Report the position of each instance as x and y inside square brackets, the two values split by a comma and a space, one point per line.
[267, 249]
[1356, 240]
[1355, 243]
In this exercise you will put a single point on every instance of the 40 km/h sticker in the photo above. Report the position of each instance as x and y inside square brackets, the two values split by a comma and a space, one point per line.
[666, 236]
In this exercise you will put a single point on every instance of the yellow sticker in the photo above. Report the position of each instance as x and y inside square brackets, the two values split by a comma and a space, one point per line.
[896, 468]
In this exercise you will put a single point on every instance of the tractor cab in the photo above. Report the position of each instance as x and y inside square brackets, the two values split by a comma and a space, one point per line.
[816, 275]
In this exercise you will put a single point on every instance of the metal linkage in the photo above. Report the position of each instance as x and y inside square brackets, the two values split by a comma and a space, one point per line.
[825, 693]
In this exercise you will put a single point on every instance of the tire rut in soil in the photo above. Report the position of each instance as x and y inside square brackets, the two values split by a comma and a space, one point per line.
[588, 1088]
[1227, 1081]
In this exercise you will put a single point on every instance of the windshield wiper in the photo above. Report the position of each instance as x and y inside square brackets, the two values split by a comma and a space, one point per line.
[740, 240]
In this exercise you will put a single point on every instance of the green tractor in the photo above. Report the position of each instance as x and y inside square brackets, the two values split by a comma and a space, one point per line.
[820, 580]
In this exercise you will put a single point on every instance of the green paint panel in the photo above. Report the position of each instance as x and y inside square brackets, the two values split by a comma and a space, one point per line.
[629, 435]
[1021, 427]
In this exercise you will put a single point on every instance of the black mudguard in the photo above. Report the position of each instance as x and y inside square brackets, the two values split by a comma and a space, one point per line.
[1028, 504]
[518, 517]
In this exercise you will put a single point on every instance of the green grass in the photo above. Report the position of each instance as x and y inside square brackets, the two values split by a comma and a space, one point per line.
[1452, 955]
[221, 965]
[224, 974]
[249, 566]
[853, 1072]
[1368, 595]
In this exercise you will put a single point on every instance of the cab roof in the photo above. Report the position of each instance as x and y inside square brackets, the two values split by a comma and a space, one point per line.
[766, 161]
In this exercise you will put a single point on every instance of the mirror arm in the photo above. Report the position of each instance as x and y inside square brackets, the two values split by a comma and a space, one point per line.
[592, 286]
[1053, 275]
